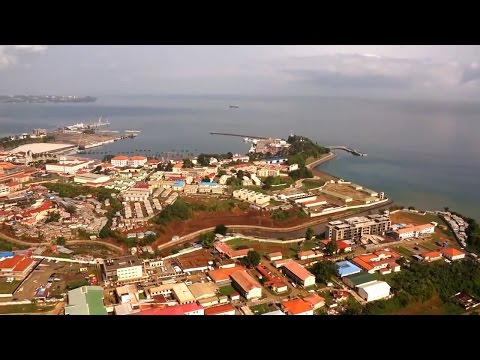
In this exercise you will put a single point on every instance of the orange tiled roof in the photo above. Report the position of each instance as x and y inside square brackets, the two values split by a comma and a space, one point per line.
[296, 306]
[452, 251]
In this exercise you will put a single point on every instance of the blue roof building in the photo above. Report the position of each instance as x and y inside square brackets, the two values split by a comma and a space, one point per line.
[207, 183]
[5, 254]
[345, 268]
[179, 183]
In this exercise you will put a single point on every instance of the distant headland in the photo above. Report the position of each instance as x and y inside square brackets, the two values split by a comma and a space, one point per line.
[46, 98]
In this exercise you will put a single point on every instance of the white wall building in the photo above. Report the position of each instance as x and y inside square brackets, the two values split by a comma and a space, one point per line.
[374, 290]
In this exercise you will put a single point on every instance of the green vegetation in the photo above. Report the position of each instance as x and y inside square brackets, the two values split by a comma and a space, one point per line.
[187, 163]
[274, 182]
[261, 309]
[207, 239]
[60, 240]
[252, 259]
[8, 288]
[178, 210]
[303, 148]
[404, 251]
[107, 158]
[204, 159]
[280, 215]
[301, 173]
[226, 290]
[331, 247]
[8, 143]
[419, 283]
[76, 284]
[52, 217]
[24, 309]
[309, 233]
[220, 229]
[323, 271]
[212, 205]
[312, 184]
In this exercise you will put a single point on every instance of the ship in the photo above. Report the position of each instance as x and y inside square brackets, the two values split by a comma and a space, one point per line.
[234, 106]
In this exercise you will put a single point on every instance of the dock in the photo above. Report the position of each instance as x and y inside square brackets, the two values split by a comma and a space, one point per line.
[347, 149]
[240, 135]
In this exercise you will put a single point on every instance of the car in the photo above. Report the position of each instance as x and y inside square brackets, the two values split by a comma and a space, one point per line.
[416, 248]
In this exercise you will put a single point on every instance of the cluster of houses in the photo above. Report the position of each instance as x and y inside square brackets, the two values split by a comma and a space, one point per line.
[458, 225]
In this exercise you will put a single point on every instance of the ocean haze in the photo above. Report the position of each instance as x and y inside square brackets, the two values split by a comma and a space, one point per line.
[421, 153]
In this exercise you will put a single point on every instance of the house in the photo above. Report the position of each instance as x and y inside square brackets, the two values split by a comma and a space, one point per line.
[225, 249]
[234, 296]
[383, 261]
[453, 254]
[17, 266]
[355, 280]
[90, 178]
[274, 256]
[187, 309]
[222, 276]
[246, 285]
[345, 268]
[315, 301]
[308, 254]
[86, 300]
[414, 231]
[299, 274]
[275, 312]
[430, 256]
[202, 291]
[297, 307]
[341, 245]
[225, 309]
[374, 290]
[119, 161]
[124, 269]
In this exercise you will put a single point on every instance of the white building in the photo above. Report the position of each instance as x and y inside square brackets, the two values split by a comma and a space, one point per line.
[91, 178]
[68, 165]
[119, 161]
[136, 161]
[298, 273]
[414, 231]
[4, 190]
[374, 290]
[246, 285]
[124, 269]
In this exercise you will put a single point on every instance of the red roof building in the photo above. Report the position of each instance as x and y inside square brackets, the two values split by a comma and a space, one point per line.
[225, 309]
[186, 309]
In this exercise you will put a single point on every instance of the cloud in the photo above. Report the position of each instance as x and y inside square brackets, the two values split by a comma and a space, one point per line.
[9, 53]
[373, 71]
[31, 48]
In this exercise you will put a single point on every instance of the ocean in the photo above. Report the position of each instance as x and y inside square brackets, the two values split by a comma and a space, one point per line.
[421, 154]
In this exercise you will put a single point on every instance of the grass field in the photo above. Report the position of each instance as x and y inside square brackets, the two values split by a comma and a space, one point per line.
[409, 217]
[27, 308]
[262, 309]
[288, 250]
[311, 184]
[404, 251]
[226, 290]
[7, 288]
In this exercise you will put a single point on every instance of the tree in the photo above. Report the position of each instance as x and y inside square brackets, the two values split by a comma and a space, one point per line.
[53, 217]
[207, 239]
[206, 179]
[97, 169]
[169, 166]
[240, 174]
[252, 259]
[71, 209]
[323, 271]
[446, 209]
[331, 247]
[60, 240]
[309, 233]
[107, 158]
[187, 163]
[411, 208]
[221, 172]
[220, 229]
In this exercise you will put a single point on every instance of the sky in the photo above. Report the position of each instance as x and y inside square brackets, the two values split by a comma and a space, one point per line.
[394, 71]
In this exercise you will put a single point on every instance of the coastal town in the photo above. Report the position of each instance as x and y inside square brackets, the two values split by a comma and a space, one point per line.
[262, 233]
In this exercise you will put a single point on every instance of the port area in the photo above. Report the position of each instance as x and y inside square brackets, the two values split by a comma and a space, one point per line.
[347, 149]
[86, 141]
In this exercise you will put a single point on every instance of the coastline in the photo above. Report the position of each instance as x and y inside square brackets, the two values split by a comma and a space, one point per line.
[322, 174]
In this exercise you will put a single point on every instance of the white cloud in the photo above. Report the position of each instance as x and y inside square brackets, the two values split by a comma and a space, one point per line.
[10, 53]
[31, 48]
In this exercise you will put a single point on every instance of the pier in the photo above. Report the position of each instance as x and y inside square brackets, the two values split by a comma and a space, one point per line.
[239, 135]
[347, 149]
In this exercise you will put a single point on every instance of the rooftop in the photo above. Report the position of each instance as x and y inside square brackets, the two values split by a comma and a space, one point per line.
[298, 270]
[452, 251]
[345, 268]
[244, 280]
[223, 274]
[296, 306]
[219, 309]
[85, 300]
[122, 262]
[172, 310]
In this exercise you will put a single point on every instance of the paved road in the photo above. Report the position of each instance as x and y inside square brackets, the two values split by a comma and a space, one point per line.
[75, 241]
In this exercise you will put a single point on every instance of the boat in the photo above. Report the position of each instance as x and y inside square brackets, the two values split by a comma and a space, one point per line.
[234, 106]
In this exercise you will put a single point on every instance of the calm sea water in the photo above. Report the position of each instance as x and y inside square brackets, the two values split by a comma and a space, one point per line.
[423, 154]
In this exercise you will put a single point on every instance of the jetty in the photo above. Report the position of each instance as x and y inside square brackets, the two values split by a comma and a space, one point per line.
[347, 149]
[240, 135]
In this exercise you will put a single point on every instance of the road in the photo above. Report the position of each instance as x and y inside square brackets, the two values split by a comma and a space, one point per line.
[75, 241]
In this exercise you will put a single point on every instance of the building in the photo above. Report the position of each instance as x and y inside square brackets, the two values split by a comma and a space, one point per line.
[414, 231]
[430, 256]
[187, 309]
[297, 307]
[16, 266]
[315, 301]
[298, 274]
[383, 261]
[85, 300]
[346, 268]
[222, 276]
[128, 295]
[241, 158]
[275, 160]
[341, 245]
[275, 312]
[137, 161]
[274, 256]
[224, 249]
[268, 170]
[69, 165]
[225, 309]
[374, 291]
[201, 291]
[123, 269]
[4, 190]
[119, 161]
[361, 278]
[90, 178]
[453, 254]
[246, 285]
[356, 227]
